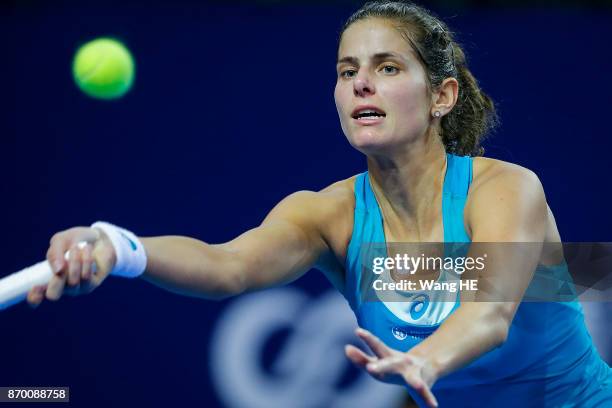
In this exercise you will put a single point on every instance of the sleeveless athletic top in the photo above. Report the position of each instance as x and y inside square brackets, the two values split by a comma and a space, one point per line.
[548, 359]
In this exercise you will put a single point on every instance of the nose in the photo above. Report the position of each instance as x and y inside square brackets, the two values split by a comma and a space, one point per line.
[362, 85]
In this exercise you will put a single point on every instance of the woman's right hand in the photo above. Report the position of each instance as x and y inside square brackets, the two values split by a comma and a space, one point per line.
[75, 276]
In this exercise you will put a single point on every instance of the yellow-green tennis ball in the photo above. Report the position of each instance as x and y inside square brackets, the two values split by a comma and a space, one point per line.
[103, 68]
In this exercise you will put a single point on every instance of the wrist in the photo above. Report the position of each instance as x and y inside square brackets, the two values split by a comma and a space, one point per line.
[130, 258]
[431, 368]
[431, 371]
[106, 242]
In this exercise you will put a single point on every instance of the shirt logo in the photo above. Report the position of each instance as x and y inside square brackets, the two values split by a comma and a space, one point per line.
[399, 333]
[420, 304]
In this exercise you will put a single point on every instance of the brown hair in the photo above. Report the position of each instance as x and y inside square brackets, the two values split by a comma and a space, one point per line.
[474, 114]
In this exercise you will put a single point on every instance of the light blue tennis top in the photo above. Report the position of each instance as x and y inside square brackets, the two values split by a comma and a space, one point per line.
[548, 359]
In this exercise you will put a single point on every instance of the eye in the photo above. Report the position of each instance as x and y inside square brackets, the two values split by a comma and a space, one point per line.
[390, 69]
[348, 73]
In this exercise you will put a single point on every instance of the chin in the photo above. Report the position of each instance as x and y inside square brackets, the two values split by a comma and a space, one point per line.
[368, 141]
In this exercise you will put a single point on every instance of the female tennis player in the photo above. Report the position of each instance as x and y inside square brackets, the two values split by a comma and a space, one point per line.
[407, 100]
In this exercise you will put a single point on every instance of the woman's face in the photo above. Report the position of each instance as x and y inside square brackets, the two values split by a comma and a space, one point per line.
[381, 91]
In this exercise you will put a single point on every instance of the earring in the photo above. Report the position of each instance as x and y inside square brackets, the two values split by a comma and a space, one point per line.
[437, 114]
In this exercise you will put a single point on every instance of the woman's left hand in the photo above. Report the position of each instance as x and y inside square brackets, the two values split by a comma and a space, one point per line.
[415, 371]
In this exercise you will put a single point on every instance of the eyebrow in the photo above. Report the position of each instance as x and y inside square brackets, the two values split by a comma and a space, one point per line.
[376, 57]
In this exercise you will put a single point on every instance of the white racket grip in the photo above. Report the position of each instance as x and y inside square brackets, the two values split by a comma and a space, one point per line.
[15, 287]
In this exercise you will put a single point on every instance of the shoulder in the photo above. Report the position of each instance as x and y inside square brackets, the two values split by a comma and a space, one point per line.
[504, 192]
[339, 195]
[325, 214]
[327, 202]
[495, 176]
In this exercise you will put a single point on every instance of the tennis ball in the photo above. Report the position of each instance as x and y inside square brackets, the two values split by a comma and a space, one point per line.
[103, 68]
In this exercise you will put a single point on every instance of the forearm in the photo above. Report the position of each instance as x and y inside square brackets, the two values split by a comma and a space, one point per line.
[281, 249]
[471, 331]
[190, 267]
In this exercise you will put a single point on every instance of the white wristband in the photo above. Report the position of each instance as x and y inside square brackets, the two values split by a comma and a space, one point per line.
[131, 256]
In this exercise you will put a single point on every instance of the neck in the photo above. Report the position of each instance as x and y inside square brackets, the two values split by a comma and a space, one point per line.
[408, 183]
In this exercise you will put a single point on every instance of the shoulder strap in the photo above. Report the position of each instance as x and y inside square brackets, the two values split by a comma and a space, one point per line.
[458, 175]
[456, 185]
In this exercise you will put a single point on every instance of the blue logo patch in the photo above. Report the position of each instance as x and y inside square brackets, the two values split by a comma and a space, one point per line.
[420, 304]
[132, 243]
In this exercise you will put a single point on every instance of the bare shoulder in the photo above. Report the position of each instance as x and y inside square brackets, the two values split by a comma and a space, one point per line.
[326, 214]
[503, 191]
[492, 172]
[333, 207]
[336, 215]
[499, 182]
[319, 205]
[340, 195]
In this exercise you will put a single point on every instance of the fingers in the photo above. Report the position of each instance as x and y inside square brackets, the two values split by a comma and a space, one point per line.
[394, 364]
[398, 365]
[387, 365]
[87, 261]
[63, 241]
[104, 260]
[73, 275]
[36, 296]
[55, 288]
[428, 396]
[357, 356]
[74, 265]
[423, 390]
[57, 248]
[80, 270]
[378, 347]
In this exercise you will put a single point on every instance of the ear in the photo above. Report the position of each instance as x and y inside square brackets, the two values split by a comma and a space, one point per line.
[445, 98]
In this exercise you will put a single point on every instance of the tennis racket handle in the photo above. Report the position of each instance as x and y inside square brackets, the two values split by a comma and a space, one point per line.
[14, 288]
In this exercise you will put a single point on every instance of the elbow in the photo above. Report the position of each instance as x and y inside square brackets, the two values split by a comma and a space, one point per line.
[501, 324]
[502, 331]
[233, 281]
[226, 276]
[221, 292]
[225, 288]
[234, 285]
[495, 320]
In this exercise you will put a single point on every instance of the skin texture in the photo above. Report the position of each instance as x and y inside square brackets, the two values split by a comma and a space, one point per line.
[407, 163]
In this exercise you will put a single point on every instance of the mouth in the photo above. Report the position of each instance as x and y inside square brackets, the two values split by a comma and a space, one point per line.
[368, 114]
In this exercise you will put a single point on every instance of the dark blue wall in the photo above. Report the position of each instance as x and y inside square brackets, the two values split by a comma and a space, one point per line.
[232, 109]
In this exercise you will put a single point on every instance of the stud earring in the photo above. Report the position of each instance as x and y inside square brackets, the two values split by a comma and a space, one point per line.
[437, 114]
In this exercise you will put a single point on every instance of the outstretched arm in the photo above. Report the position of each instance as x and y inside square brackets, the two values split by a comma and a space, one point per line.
[287, 243]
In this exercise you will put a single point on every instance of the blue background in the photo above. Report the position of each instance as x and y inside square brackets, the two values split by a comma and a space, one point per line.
[232, 109]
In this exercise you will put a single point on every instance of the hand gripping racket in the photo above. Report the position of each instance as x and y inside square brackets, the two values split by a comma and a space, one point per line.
[15, 287]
